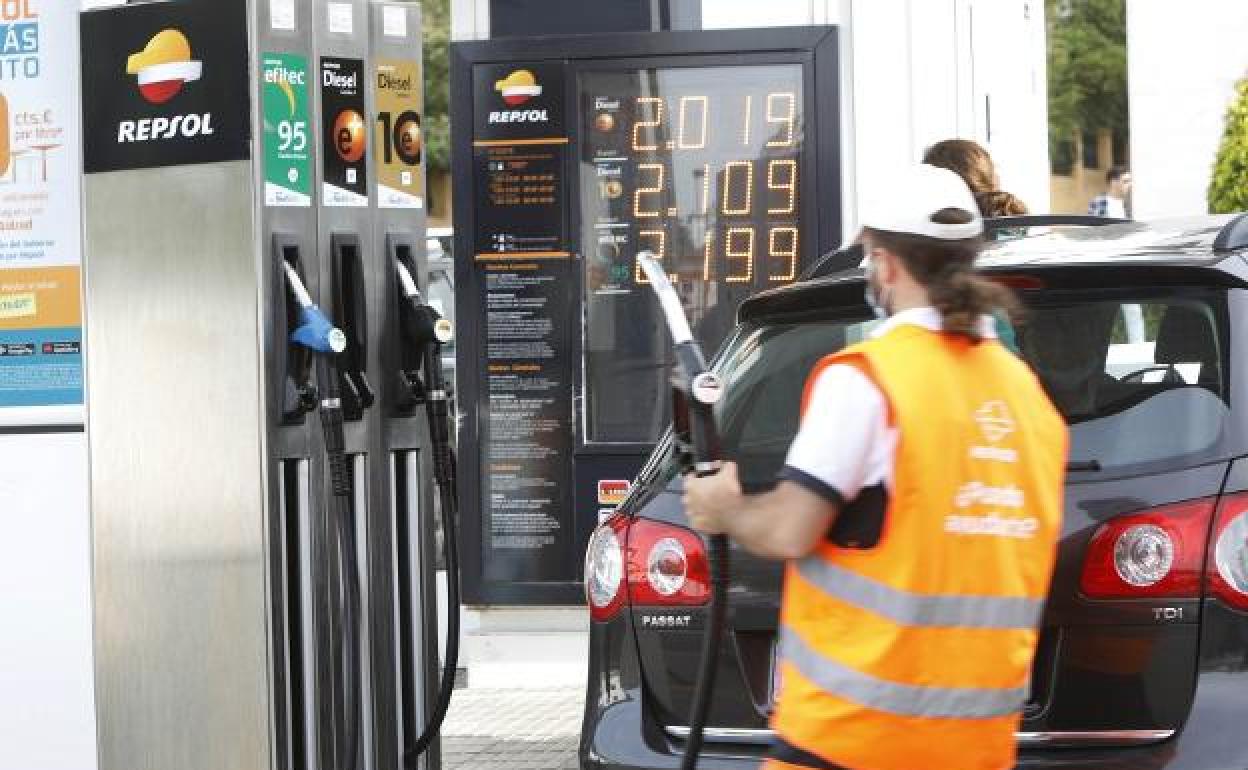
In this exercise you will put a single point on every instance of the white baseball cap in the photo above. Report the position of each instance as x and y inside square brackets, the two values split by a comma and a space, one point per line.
[915, 195]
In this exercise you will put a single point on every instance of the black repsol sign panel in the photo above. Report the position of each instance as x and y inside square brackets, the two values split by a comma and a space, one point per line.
[524, 263]
[518, 101]
[165, 84]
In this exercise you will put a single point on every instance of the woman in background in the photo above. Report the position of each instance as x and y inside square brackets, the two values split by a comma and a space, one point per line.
[973, 163]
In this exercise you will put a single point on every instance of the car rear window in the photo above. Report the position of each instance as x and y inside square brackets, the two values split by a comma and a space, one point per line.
[1139, 379]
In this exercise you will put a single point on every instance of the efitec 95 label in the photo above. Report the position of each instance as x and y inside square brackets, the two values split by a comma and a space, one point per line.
[287, 143]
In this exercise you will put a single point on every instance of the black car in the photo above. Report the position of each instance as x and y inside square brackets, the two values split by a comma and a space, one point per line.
[1134, 331]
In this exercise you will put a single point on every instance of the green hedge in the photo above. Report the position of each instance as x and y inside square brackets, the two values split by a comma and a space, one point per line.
[1228, 191]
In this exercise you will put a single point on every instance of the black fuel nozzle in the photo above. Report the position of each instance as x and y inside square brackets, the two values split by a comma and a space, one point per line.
[424, 332]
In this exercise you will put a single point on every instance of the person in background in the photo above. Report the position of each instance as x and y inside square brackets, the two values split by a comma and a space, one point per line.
[1113, 202]
[972, 162]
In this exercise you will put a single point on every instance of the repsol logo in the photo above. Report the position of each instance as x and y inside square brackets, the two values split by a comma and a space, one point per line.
[157, 129]
[519, 116]
[336, 80]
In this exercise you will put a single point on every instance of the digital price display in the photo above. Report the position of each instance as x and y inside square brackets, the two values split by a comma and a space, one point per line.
[718, 151]
[701, 166]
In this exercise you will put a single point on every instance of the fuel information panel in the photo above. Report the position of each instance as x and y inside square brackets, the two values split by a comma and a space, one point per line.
[702, 167]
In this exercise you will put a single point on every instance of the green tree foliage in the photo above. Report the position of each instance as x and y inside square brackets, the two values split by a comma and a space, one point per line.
[1087, 67]
[436, 15]
[1228, 190]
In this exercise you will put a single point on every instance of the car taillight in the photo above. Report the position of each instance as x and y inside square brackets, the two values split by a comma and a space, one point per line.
[645, 563]
[1153, 553]
[1228, 568]
[666, 565]
[604, 568]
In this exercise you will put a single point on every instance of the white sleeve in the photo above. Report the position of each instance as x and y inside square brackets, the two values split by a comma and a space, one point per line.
[844, 443]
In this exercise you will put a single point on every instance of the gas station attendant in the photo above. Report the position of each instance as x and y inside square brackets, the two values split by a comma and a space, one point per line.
[919, 510]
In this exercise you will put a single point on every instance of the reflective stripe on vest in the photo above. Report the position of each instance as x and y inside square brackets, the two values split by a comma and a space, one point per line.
[899, 699]
[917, 609]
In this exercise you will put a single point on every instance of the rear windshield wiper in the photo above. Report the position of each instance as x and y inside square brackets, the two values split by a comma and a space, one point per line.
[1083, 465]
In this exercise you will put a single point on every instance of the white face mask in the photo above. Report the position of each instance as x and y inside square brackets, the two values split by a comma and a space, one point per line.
[876, 300]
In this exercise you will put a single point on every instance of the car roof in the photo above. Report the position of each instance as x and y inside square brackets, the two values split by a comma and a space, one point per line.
[1160, 249]
[1172, 241]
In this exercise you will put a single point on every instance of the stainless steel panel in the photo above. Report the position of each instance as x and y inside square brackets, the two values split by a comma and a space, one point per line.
[363, 524]
[175, 428]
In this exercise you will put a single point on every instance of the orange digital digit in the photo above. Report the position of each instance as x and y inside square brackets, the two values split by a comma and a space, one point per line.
[657, 247]
[782, 243]
[745, 124]
[782, 109]
[657, 110]
[697, 140]
[656, 189]
[708, 245]
[733, 250]
[744, 169]
[706, 189]
[784, 182]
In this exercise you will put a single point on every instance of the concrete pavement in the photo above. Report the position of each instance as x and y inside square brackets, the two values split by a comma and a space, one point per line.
[528, 729]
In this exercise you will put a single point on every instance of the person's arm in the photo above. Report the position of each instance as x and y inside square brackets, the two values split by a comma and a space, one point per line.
[785, 523]
[841, 447]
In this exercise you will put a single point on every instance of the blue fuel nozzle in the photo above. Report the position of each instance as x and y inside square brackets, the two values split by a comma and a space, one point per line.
[315, 331]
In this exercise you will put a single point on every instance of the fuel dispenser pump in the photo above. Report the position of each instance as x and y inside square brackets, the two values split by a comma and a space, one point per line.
[424, 331]
[695, 391]
[326, 342]
[269, 603]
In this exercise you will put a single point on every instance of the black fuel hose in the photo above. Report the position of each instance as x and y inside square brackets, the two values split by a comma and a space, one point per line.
[342, 521]
[712, 637]
[422, 330]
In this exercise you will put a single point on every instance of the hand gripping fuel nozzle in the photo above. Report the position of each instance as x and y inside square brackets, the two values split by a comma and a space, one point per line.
[426, 331]
[695, 391]
[327, 342]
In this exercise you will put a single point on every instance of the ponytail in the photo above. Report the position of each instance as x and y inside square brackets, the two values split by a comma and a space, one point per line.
[947, 270]
[963, 298]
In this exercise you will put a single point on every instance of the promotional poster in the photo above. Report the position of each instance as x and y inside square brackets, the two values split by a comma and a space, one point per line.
[40, 303]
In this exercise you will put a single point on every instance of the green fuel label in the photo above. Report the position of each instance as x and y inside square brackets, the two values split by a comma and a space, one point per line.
[287, 138]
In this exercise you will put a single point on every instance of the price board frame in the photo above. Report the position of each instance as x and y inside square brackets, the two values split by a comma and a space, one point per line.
[529, 502]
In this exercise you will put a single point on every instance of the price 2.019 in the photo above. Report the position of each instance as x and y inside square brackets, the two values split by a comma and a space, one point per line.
[693, 121]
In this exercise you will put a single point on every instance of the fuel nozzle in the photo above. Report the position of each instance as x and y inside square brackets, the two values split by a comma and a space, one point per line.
[425, 331]
[315, 332]
[424, 325]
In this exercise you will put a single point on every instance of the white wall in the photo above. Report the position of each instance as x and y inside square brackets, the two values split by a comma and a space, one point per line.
[918, 71]
[47, 713]
[1183, 62]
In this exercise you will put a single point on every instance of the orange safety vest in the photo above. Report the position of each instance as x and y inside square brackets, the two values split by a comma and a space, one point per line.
[915, 654]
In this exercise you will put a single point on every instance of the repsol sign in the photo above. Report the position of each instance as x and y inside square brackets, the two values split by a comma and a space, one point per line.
[519, 116]
[157, 129]
[167, 84]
